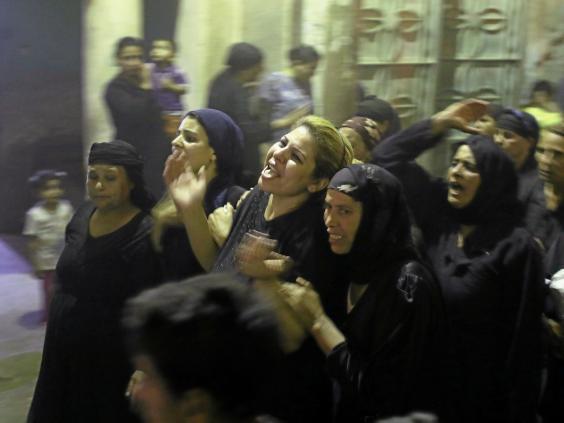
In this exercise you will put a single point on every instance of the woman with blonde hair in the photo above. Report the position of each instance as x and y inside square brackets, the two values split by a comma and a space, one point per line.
[286, 205]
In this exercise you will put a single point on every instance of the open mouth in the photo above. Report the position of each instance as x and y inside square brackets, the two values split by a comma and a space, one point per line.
[270, 171]
[455, 188]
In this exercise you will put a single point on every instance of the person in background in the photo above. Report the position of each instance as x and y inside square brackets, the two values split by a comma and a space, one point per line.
[381, 112]
[44, 228]
[542, 105]
[485, 124]
[363, 134]
[231, 92]
[517, 133]
[286, 96]
[550, 158]
[207, 346]
[169, 83]
[107, 259]
[135, 112]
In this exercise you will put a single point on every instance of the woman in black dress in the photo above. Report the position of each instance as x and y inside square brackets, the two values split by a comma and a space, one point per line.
[488, 266]
[209, 138]
[107, 258]
[385, 357]
[135, 112]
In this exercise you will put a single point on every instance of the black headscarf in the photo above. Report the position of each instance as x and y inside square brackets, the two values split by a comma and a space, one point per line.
[121, 153]
[496, 197]
[381, 111]
[522, 123]
[227, 141]
[384, 236]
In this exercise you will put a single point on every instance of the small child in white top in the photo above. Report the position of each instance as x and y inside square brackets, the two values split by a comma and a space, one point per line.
[45, 225]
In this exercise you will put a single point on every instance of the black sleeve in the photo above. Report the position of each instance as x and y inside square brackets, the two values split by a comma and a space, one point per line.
[425, 194]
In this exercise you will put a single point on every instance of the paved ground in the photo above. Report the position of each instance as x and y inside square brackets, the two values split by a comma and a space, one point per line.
[21, 333]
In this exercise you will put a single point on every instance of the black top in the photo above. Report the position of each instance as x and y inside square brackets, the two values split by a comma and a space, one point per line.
[493, 290]
[537, 217]
[177, 257]
[85, 369]
[395, 332]
[137, 120]
[230, 96]
[389, 363]
[303, 390]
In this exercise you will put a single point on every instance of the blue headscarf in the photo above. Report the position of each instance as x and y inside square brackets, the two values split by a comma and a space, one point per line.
[227, 141]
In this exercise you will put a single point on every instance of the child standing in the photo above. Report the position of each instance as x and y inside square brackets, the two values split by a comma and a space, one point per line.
[45, 226]
[169, 84]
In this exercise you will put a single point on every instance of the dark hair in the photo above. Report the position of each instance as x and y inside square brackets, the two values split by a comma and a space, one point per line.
[173, 43]
[304, 54]
[128, 42]
[41, 177]
[494, 110]
[380, 110]
[243, 56]
[543, 85]
[210, 332]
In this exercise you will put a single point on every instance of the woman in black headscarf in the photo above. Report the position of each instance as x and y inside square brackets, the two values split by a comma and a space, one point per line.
[517, 133]
[488, 266]
[385, 355]
[107, 259]
[208, 138]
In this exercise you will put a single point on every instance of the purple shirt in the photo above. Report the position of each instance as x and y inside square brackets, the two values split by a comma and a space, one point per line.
[167, 100]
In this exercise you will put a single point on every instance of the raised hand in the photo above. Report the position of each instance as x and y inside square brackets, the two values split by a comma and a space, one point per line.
[186, 188]
[460, 116]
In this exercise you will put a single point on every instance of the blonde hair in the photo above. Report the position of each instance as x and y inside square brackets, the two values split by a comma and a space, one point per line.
[333, 151]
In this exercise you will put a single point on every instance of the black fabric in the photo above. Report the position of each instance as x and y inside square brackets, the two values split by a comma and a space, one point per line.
[394, 334]
[116, 152]
[137, 120]
[536, 217]
[492, 287]
[230, 96]
[303, 391]
[85, 369]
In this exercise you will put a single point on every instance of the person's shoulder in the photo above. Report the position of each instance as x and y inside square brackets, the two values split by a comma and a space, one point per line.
[65, 206]
[518, 244]
[35, 210]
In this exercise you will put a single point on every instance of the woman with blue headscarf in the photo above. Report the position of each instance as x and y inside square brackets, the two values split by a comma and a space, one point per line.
[210, 142]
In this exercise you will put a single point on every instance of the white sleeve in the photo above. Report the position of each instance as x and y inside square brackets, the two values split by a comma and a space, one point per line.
[30, 225]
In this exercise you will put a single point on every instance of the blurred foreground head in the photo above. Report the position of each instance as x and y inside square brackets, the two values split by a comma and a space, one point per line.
[207, 346]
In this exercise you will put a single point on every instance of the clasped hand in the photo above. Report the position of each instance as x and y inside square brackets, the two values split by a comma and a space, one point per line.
[257, 259]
